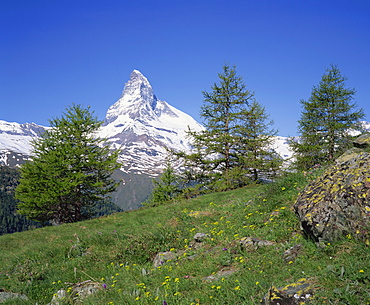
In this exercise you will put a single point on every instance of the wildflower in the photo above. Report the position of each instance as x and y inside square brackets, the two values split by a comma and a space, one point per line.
[177, 280]
[283, 188]
[237, 288]
[104, 286]
[164, 303]
[257, 283]
[224, 249]
[361, 271]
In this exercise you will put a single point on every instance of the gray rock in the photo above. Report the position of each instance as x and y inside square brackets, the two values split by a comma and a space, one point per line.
[5, 296]
[219, 274]
[362, 141]
[337, 203]
[292, 253]
[162, 257]
[59, 296]
[296, 293]
[200, 237]
[252, 243]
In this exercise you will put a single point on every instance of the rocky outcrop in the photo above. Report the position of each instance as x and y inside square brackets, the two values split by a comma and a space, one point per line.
[337, 203]
[296, 293]
[362, 141]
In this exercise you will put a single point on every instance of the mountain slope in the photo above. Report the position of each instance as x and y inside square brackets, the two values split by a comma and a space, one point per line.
[115, 254]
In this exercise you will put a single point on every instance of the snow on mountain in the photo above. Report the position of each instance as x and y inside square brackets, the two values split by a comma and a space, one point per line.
[281, 146]
[15, 141]
[143, 126]
[17, 137]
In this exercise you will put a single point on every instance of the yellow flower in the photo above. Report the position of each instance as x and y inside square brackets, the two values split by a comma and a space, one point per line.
[177, 280]
[257, 283]
[237, 288]
[361, 271]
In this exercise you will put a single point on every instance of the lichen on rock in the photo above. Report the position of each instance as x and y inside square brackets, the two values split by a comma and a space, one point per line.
[296, 293]
[337, 203]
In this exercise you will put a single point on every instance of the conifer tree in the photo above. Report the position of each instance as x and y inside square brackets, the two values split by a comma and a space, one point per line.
[215, 161]
[70, 170]
[255, 144]
[166, 187]
[326, 118]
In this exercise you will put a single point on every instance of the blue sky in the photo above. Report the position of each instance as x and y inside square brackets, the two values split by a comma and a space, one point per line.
[55, 53]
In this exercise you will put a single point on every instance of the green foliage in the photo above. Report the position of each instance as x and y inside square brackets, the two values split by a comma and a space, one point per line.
[326, 118]
[70, 170]
[235, 145]
[256, 142]
[166, 188]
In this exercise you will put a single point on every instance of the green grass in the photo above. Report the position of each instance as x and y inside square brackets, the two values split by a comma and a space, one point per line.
[118, 251]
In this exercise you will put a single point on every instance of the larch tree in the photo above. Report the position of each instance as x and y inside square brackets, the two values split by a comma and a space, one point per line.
[256, 143]
[327, 117]
[69, 171]
[214, 163]
[166, 188]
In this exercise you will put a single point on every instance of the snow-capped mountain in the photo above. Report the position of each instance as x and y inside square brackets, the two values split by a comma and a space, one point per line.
[15, 141]
[143, 126]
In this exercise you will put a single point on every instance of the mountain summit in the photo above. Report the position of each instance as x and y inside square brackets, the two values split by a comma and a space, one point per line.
[143, 126]
[137, 100]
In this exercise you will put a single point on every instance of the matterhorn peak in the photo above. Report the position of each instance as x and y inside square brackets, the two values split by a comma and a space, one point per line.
[137, 100]
[137, 85]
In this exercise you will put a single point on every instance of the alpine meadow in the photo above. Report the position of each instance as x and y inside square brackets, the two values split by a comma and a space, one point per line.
[223, 217]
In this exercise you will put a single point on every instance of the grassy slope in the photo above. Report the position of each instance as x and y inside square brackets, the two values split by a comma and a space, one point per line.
[114, 250]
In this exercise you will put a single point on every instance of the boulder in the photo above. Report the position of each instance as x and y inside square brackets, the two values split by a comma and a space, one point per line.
[252, 243]
[362, 141]
[296, 293]
[337, 203]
